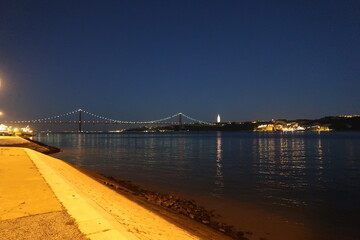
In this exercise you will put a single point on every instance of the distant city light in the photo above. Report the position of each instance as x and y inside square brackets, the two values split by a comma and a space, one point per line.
[289, 127]
[349, 116]
[218, 120]
[10, 131]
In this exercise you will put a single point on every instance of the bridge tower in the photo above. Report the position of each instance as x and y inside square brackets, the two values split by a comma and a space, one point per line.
[80, 120]
[180, 120]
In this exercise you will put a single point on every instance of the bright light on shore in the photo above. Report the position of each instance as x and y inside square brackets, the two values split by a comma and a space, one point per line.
[15, 131]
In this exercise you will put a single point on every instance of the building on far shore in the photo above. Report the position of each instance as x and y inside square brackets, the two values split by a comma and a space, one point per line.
[218, 120]
[283, 126]
[14, 131]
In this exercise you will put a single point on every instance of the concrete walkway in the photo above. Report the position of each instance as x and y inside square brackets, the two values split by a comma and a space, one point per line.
[28, 207]
[23, 191]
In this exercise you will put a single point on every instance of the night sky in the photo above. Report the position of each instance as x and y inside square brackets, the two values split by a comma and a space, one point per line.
[144, 60]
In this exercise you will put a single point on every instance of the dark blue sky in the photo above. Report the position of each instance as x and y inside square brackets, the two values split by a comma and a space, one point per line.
[143, 60]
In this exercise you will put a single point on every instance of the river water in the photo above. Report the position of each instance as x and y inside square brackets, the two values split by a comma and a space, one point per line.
[274, 185]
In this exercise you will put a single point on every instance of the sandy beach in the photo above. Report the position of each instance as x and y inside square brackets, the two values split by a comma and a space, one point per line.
[65, 203]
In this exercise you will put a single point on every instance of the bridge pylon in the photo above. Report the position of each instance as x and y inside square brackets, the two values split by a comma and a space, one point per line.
[180, 120]
[80, 120]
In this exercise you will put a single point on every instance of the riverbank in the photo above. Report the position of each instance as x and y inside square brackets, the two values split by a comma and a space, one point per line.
[14, 141]
[172, 204]
[94, 207]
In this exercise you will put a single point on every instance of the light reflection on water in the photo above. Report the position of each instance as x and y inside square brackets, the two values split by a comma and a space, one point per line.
[317, 175]
[219, 179]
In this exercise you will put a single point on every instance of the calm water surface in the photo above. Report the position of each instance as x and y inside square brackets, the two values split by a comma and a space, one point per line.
[312, 179]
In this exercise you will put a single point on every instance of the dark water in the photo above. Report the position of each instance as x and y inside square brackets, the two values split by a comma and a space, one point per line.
[309, 178]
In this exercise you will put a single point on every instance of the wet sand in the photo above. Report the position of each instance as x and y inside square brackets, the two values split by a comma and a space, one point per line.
[258, 222]
[254, 221]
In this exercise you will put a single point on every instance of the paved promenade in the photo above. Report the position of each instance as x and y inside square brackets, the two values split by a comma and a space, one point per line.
[28, 207]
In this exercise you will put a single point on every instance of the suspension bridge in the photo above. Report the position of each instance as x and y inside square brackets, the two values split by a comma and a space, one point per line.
[80, 120]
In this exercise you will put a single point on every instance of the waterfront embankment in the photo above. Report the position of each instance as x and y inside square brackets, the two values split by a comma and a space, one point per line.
[62, 202]
[14, 141]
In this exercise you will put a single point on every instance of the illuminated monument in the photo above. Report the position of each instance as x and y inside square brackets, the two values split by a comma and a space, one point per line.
[218, 119]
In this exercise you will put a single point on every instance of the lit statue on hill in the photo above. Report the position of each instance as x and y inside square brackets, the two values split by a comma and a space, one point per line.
[218, 118]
